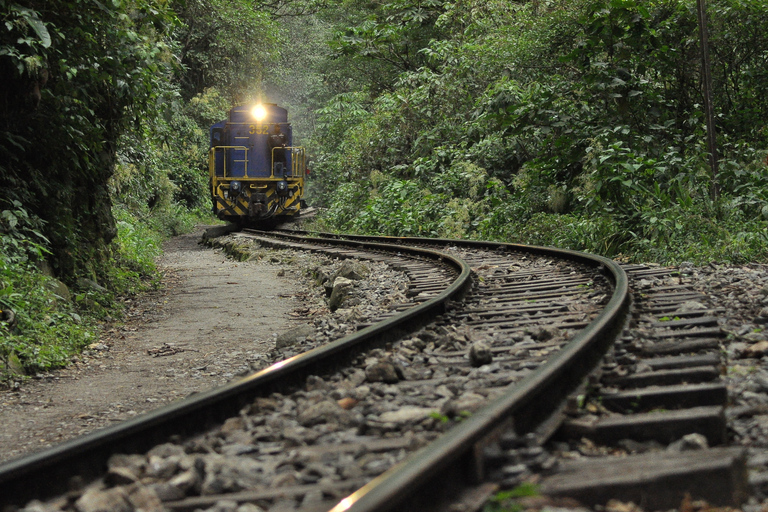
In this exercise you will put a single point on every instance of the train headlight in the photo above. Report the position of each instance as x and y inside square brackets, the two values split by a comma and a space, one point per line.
[281, 187]
[259, 112]
[235, 187]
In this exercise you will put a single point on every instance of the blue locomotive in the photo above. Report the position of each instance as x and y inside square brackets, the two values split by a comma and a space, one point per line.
[257, 174]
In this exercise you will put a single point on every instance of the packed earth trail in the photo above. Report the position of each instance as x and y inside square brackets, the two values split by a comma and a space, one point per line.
[213, 319]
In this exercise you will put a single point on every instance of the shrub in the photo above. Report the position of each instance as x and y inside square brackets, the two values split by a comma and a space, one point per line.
[39, 329]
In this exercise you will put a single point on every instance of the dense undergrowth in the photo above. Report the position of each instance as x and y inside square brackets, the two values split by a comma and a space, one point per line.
[731, 229]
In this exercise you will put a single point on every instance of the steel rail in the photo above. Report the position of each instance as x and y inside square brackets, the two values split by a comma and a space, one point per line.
[49, 473]
[429, 478]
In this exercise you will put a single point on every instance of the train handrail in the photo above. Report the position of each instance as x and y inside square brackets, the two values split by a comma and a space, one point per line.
[298, 162]
[212, 160]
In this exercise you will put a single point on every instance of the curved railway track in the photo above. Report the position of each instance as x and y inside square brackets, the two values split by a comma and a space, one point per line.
[457, 388]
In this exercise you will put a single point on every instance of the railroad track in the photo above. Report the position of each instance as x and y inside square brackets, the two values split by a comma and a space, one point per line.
[651, 425]
[449, 396]
[654, 422]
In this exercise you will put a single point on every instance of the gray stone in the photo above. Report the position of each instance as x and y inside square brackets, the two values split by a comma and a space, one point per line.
[374, 464]
[353, 269]
[90, 285]
[99, 500]
[689, 442]
[406, 413]
[444, 391]
[342, 288]
[382, 371]
[59, 288]
[512, 470]
[8, 316]
[324, 412]
[314, 472]
[144, 499]
[480, 354]
[185, 481]
[287, 479]
[760, 383]
[315, 383]
[249, 507]
[633, 446]
[38, 506]
[231, 425]
[217, 231]
[762, 317]
[162, 468]
[229, 474]
[754, 337]
[362, 392]
[756, 350]
[543, 333]
[167, 492]
[296, 335]
[14, 366]
[322, 275]
[312, 498]
[167, 450]
[357, 378]
[223, 506]
[466, 403]
[120, 476]
[691, 305]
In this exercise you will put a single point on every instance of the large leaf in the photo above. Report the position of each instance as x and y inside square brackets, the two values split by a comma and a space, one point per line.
[31, 17]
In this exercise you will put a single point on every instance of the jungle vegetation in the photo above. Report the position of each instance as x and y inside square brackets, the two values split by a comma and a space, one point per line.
[578, 124]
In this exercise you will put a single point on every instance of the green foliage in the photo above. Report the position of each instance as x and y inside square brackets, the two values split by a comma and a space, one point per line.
[21, 238]
[34, 37]
[442, 418]
[49, 326]
[387, 37]
[450, 206]
[166, 164]
[95, 110]
[137, 246]
[505, 501]
[576, 124]
[224, 44]
[739, 36]
[39, 329]
[47, 330]
[398, 207]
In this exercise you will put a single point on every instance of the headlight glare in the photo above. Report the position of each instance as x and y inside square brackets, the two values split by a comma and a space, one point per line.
[259, 112]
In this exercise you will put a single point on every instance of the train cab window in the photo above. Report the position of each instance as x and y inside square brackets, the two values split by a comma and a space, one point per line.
[217, 136]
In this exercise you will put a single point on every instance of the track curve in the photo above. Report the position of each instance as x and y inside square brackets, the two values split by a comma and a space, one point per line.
[48, 473]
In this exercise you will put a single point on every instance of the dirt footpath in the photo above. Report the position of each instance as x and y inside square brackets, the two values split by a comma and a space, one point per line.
[213, 320]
